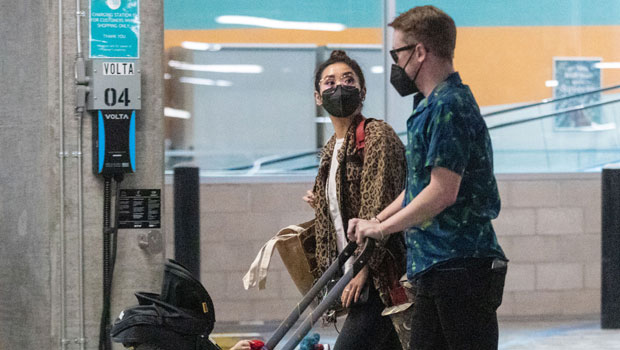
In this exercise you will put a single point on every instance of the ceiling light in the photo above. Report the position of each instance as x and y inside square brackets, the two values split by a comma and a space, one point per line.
[203, 81]
[176, 113]
[376, 69]
[551, 83]
[274, 23]
[217, 68]
[194, 45]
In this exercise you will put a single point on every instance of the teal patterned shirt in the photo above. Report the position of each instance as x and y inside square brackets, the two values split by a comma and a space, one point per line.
[446, 130]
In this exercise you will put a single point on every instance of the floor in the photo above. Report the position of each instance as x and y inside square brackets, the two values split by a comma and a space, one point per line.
[515, 334]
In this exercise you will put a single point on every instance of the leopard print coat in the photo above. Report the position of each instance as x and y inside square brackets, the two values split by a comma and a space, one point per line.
[373, 181]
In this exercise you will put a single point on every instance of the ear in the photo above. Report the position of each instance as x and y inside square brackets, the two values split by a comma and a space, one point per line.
[421, 52]
[363, 94]
[318, 99]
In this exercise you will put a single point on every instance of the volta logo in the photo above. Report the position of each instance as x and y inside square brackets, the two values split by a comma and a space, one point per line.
[116, 116]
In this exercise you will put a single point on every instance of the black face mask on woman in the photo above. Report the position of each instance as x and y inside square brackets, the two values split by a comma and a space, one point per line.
[401, 81]
[341, 101]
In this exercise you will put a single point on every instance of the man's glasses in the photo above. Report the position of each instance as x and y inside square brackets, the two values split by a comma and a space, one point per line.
[394, 53]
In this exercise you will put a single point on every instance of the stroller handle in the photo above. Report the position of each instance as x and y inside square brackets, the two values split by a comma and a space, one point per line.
[305, 327]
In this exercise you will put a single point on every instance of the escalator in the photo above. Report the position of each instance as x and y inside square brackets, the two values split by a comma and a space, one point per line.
[554, 135]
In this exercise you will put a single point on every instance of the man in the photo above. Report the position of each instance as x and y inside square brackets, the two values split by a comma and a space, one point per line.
[450, 197]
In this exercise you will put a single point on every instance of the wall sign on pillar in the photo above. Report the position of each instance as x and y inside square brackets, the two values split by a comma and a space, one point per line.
[114, 29]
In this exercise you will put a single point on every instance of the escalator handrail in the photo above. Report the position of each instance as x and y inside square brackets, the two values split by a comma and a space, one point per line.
[547, 101]
[272, 160]
[549, 115]
[255, 167]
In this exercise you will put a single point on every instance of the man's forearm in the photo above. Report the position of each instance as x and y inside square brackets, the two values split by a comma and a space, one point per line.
[424, 207]
[392, 208]
[434, 198]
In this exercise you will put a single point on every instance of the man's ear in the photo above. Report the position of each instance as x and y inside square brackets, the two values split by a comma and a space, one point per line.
[318, 99]
[421, 52]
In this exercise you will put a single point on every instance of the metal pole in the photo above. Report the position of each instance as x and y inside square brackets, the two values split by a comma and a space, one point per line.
[610, 245]
[187, 218]
[61, 171]
[389, 10]
[80, 115]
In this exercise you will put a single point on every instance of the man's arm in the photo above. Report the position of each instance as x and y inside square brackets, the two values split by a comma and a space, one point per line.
[392, 208]
[440, 193]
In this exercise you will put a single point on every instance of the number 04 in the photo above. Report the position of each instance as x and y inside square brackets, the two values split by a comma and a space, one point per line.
[110, 97]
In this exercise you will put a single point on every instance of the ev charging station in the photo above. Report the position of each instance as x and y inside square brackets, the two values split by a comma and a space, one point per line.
[114, 100]
[114, 83]
[108, 84]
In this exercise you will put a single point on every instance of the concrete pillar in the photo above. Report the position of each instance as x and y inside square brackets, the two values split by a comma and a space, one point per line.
[36, 108]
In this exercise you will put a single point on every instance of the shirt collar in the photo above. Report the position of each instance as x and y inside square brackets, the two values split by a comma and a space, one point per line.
[420, 103]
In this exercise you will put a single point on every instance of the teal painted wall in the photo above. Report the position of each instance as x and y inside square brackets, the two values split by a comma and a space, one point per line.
[201, 14]
[501, 13]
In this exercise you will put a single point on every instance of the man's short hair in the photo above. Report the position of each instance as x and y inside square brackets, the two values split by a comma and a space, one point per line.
[430, 26]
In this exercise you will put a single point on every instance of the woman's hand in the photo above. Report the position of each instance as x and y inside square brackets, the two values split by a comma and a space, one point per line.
[249, 345]
[352, 291]
[310, 199]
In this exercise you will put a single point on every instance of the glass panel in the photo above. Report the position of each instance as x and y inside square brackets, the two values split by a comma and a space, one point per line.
[530, 139]
[245, 103]
[514, 53]
[510, 53]
[239, 88]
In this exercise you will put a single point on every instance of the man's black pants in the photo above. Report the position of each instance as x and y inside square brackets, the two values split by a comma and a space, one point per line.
[456, 305]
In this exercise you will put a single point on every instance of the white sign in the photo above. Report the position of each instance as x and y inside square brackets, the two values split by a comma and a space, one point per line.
[118, 68]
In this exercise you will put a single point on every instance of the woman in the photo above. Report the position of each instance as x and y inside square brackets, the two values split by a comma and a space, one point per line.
[355, 182]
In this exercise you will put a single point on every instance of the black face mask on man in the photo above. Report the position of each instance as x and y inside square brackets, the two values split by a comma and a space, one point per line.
[401, 81]
[341, 101]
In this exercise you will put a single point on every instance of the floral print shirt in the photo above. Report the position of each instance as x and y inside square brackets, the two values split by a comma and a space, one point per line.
[447, 130]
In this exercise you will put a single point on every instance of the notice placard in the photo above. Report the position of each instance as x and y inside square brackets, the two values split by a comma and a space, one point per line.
[576, 76]
[114, 28]
[139, 208]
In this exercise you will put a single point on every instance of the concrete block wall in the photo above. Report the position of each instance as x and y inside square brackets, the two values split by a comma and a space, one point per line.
[236, 220]
[549, 227]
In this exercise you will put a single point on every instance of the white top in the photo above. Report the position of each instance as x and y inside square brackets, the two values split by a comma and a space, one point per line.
[334, 208]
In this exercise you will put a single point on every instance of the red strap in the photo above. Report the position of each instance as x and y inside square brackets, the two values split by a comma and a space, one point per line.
[360, 135]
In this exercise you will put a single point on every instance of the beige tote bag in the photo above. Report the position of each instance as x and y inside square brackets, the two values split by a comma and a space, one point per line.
[296, 246]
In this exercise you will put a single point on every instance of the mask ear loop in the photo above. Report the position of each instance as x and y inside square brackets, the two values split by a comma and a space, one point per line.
[409, 59]
[420, 67]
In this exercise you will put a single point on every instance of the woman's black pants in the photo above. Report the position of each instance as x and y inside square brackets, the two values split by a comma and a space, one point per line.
[365, 328]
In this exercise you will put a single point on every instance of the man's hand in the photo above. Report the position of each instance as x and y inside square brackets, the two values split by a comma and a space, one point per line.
[360, 229]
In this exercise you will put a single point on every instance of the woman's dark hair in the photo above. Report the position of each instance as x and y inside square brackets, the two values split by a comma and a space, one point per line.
[335, 57]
